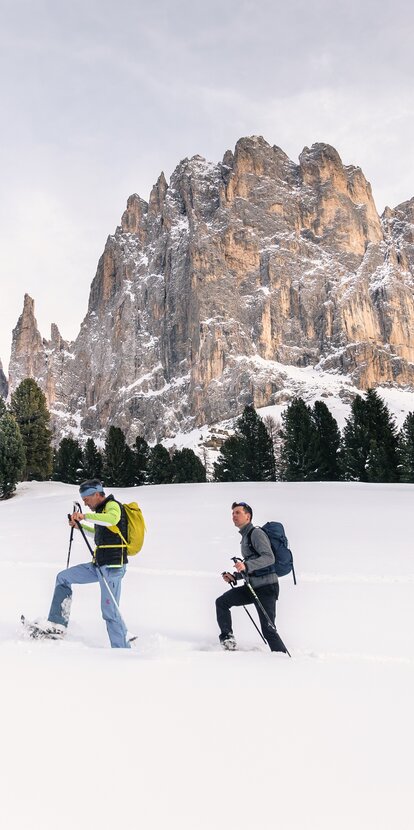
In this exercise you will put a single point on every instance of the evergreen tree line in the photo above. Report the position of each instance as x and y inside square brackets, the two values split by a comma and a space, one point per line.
[120, 465]
[26, 451]
[308, 446]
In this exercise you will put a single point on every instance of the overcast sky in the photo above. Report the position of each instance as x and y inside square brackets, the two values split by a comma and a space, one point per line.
[99, 96]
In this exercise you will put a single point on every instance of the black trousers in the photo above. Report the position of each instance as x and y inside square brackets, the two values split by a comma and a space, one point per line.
[242, 595]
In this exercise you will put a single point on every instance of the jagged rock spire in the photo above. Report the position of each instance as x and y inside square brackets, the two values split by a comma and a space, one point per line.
[27, 352]
[34, 357]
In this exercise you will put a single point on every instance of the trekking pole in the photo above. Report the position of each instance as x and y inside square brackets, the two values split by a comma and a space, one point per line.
[259, 605]
[70, 543]
[249, 614]
[75, 505]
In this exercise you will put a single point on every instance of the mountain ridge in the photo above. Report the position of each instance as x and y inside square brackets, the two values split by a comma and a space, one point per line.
[252, 257]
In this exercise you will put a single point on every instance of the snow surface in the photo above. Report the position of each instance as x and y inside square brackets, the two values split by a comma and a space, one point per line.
[178, 734]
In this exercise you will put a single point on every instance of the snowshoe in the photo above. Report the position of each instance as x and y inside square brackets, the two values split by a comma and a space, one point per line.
[43, 630]
[132, 639]
[228, 643]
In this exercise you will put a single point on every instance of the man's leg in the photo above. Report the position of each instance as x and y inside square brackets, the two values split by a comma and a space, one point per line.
[268, 596]
[62, 598]
[236, 596]
[115, 625]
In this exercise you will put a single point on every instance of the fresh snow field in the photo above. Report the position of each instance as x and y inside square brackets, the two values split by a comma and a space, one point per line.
[178, 734]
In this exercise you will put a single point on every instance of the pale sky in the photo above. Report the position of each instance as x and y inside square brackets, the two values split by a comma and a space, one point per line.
[99, 96]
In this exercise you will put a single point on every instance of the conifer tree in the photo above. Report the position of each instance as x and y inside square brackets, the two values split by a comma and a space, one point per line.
[12, 457]
[258, 446]
[92, 461]
[187, 467]
[356, 441]
[406, 448]
[118, 467]
[142, 454]
[28, 405]
[299, 438]
[160, 467]
[230, 465]
[327, 444]
[248, 455]
[370, 443]
[274, 427]
[383, 461]
[68, 462]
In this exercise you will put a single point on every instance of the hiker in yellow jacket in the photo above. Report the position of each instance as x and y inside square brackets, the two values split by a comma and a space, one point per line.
[107, 567]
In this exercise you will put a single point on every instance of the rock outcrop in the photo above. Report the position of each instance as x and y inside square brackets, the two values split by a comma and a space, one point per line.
[3, 383]
[227, 274]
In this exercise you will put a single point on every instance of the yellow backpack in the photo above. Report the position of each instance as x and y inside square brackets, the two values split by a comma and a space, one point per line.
[136, 528]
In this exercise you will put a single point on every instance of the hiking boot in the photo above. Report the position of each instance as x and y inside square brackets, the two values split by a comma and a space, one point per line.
[228, 642]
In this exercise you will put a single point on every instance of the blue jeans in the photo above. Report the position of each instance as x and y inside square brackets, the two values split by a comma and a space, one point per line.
[81, 575]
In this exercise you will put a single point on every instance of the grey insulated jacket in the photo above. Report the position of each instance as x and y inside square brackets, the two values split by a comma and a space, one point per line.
[261, 557]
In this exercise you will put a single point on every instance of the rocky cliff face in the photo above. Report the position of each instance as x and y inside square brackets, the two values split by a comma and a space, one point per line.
[3, 383]
[227, 274]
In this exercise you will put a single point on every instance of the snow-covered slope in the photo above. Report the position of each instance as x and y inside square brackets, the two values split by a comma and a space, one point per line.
[177, 734]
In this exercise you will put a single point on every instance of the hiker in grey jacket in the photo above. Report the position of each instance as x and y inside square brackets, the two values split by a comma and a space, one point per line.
[256, 567]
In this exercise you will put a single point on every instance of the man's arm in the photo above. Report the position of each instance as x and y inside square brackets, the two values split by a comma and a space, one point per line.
[109, 517]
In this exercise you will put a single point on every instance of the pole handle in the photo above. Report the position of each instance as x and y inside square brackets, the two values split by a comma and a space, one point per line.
[231, 582]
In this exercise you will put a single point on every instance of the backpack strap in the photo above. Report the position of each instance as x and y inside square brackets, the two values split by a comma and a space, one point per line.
[249, 540]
